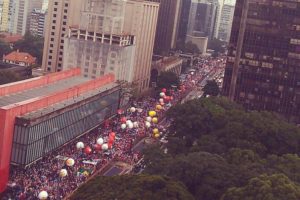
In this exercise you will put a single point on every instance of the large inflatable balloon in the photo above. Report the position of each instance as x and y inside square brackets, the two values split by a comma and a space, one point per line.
[79, 145]
[162, 94]
[109, 145]
[161, 100]
[70, 162]
[155, 131]
[87, 150]
[43, 195]
[128, 122]
[140, 110]
[152, 113]
[113, 134]
[100, 141]
[158, 107]
[155, 120]
[63, 173]
[156, 135]
[132, 109]
[123, 119]
[130, 126]
[147, 124]
[148, 119]
[162, 103]
[164, 90]
[135, 124]
[123, 126]
[104, 146]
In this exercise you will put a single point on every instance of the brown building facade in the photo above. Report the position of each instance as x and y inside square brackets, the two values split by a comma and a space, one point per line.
[269, 70]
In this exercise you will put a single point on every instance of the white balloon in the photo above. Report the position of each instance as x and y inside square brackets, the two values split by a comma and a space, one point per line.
[140, 110]
[147, 124]
[148, 119]
[43, 195]
[70, 162]
[63, 173]
[123, 126]
[135, 124]
[132, 109]
[128, 122]
[100, 141]
[162, 94]
[161, 100]
[104, 146]
[130, 125]
[79, 145]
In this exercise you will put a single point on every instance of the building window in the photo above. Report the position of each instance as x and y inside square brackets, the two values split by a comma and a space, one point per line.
[64, 23]
[54, 15]
[50, 51]
[53, 27]
[66, 4]
[50, 57]
[61, 47]
[65, 11]
[55, 9]
[49, 63]
[52, 33]
[51, 45]
[56, 3]
[52, 39]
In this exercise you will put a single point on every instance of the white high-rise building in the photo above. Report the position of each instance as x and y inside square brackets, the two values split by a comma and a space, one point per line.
[37, 22]
[226, 21]
[4, 23]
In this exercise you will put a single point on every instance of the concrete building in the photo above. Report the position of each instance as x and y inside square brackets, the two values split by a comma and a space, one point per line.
[23, 9]
[4, 23]
[226, 22]
[37, 22]
[120, 37]
[268, 77]
[165, 64]
[183, 21]
[61, 15]
[167, 25]
[45, 5]
[203, 18]
[41, 114]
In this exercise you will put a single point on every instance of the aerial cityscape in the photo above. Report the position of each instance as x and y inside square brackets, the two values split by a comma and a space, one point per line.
[150, 99]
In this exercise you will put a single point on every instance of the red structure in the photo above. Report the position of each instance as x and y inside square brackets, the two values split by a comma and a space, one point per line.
[10, 111]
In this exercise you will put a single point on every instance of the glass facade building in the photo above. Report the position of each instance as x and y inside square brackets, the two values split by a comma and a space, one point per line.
[35, 137]
[269, 70]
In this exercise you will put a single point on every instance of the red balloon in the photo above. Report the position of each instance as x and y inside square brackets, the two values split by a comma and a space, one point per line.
[123, 119]
[98, 147]
[120, 111]
[113, 134]
[171, 98]
[164, 90]
[87, 150]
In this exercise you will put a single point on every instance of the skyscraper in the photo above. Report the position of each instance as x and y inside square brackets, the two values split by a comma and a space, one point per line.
[22, 14]
[37, 22]
[226, 22]
[114, 36]
[269, 73]
[4, 23]
[61, 15]
[167, 25]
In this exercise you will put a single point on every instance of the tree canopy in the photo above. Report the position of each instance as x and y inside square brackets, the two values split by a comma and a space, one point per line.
[4, 48]
[220, 151]
[211, 88]
[167, 79]
[31, 44]
[8, 77]
[132, 187]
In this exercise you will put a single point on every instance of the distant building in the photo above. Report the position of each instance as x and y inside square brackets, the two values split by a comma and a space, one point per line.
[19, 58]
[165, 64]
[226, 22]
[4, 23]
[10, 38]
[37, 22]
[268, 77]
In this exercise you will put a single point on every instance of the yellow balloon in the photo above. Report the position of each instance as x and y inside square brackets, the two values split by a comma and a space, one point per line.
[155, 120]
[158, 107]
[156, 135]
[155, 131]
[152, 113]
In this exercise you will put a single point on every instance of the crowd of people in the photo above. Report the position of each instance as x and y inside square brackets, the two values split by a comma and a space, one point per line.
[44, 174]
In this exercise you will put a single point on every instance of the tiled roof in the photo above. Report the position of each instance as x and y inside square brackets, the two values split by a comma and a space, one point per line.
[17, 56]
[9, 38]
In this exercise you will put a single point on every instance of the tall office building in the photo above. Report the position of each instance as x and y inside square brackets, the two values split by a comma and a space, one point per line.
[37, 22]
[23, 9]
[114, 36]
[167, 25]
[269, 70]
[226, 22]
[183, 20]
[61, 14]
[4, 23]
[45, 5]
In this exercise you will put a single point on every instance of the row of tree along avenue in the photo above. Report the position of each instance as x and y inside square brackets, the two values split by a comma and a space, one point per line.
[216, 151]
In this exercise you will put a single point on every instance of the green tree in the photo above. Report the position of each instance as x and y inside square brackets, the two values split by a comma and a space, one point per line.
[8, 77]
[132, 187]
[4, 48]
[31, 44]
[167, 79]
[264, 187]
[211, 88]
[216, 45]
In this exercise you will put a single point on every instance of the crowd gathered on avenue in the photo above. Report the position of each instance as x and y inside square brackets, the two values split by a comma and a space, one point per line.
[58, 174]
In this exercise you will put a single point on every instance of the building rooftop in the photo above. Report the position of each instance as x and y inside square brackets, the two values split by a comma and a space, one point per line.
[43, 90]
[10, 38]
[17, 56]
